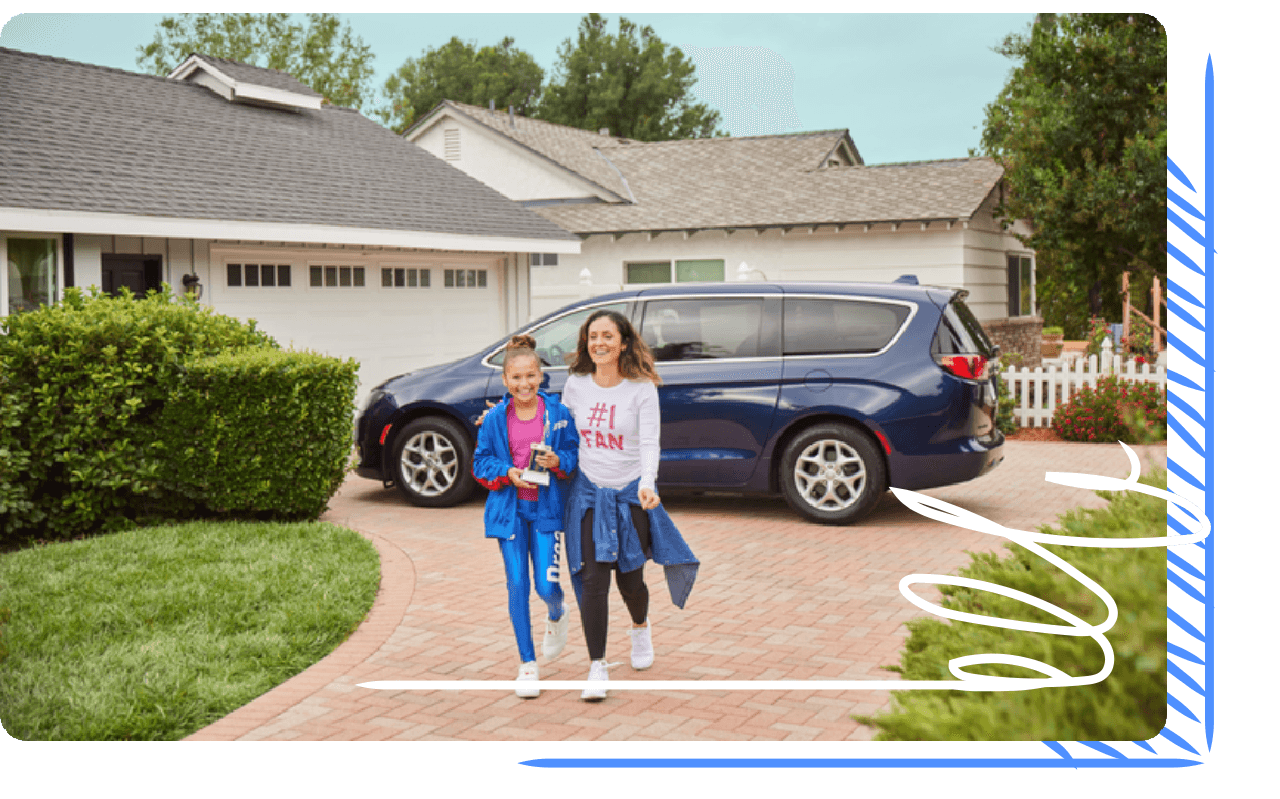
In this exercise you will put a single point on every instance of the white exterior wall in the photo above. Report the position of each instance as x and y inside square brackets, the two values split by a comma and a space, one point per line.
[388, 330]
[987, 247]
[516, 173]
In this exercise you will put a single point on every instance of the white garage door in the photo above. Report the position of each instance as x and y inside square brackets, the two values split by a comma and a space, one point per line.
[391, 315]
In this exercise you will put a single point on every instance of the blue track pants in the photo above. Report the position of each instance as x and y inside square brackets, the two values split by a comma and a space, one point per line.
[543, 550]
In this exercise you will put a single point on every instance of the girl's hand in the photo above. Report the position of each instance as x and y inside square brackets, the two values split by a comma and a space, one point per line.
[549, 460]
[513, 474]
[649, 499]
[480, 418]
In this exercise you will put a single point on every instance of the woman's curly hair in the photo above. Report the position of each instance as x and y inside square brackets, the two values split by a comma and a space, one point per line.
[634, 363]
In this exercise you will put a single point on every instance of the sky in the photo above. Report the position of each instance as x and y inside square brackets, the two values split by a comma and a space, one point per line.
[908, 87]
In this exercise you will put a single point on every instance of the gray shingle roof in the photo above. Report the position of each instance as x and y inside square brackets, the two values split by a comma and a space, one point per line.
[85, 138]
[722, 183]
[262, 76]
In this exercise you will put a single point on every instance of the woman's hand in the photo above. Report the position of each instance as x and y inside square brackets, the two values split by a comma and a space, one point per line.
[548, 460]
[513, 474]
[649, 499]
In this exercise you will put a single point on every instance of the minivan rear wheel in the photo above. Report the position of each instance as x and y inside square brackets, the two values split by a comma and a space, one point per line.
[432, 463]
[832, 474]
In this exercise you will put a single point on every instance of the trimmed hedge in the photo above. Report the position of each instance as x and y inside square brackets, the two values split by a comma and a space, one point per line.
[1129, 705]
[87, 377]
[260, 433]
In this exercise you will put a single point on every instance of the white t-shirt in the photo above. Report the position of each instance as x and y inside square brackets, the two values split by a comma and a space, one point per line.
[617, 429]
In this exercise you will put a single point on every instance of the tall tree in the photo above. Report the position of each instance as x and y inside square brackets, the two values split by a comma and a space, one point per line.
[459, 71]
[1081, 130]
[322, 53]
[630, 82]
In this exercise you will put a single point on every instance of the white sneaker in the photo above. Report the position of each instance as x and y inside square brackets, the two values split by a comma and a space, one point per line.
[599, 675]
[641, 647]
[528, 672]
[557, 635]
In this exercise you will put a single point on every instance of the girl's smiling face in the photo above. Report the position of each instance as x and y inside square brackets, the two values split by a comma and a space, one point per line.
[604, 342]
[522, 375]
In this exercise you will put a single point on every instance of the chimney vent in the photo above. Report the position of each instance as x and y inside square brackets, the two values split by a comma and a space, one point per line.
[604, 131]
[511, 112]
[490, 104]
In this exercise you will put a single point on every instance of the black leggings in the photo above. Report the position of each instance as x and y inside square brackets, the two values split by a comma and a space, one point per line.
[593, 604]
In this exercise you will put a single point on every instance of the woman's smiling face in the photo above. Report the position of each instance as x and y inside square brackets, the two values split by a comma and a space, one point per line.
[604, 342]
[522, 375]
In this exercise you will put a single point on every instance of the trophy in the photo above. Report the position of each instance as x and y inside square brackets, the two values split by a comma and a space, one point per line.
[538, 475]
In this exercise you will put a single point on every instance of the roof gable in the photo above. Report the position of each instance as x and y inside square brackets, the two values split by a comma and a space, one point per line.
[245, 83]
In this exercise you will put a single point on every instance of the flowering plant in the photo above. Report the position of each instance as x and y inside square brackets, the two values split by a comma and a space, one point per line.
[1114, 410]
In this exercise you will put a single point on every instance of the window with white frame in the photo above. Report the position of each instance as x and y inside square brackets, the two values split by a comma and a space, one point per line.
[710, 270]
[466, 278]
[258, 275]
[544, 259]
[337, 276]
[31, 273]
[1022, 282]
[405, 278]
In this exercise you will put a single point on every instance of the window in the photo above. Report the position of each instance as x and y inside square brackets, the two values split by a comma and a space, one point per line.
[816, 326]
[466, 278]
[558, 339]
[1022, 297]
[32, 273]
[687, 330]
[406, 278]
[691, 271]
[254, 275]
[337, 276]
[544, 259]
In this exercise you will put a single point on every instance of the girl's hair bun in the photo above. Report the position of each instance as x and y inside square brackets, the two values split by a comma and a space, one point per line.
[522, 341]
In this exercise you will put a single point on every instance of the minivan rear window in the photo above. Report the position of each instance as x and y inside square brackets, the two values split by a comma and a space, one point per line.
[822, 326]
[960, 333]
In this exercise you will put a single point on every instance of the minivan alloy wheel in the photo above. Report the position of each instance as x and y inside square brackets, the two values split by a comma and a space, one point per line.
[433, 462]
[832, 473]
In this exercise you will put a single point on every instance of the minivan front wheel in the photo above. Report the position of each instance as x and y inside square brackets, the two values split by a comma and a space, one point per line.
[832, 474]
[432, 463]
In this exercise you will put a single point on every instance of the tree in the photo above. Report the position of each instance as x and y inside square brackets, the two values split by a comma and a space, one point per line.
[1081, 130]
[459, 71]
[320, 53]
[631, 83]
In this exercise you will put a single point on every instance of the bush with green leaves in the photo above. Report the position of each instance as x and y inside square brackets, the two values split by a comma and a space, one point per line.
[90, 376]
[1114, 410]
[1129, 705]
[260, 433]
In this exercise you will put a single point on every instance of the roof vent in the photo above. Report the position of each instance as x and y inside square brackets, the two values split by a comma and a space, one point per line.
[604, 131]
[910, 280]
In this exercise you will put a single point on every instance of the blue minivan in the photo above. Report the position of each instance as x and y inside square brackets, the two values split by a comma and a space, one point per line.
[826, 393]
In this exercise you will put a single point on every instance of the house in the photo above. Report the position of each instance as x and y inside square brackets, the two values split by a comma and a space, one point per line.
[240, 183]
[799, 206]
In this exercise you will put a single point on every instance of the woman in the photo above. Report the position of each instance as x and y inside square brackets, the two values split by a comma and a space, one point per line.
[523, 517]
[614, 519]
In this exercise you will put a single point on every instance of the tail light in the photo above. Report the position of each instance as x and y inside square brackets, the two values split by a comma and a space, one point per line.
[970, 367]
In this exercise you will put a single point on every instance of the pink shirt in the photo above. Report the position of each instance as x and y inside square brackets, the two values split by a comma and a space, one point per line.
[521, 434]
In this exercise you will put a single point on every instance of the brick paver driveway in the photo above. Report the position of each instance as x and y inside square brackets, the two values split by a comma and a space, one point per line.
[776, 599]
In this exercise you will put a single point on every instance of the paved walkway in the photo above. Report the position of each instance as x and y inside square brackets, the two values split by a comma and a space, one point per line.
[776, 599]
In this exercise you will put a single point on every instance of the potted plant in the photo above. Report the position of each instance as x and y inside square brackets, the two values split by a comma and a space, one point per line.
[1051, 339]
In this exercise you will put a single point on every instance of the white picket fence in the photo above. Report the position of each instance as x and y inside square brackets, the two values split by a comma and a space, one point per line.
[1040, 391]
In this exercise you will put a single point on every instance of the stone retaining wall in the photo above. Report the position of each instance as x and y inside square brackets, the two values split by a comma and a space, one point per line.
[1020, 334]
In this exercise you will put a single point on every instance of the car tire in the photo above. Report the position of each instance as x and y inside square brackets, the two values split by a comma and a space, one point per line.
[431, 463]
[832, 474]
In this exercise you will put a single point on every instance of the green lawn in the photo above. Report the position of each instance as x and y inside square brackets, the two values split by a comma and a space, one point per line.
[154, 633]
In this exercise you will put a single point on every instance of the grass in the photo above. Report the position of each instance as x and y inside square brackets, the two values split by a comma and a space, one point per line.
[154, 633]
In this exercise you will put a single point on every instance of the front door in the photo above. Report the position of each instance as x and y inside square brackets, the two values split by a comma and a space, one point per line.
[134, 273]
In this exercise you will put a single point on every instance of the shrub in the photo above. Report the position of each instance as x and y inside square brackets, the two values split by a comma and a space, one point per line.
[90, 375]
[1129, 705]
[260, 433]
[1116, 410]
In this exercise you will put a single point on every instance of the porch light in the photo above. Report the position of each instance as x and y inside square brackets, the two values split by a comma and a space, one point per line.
[744, 272]
[191, 284]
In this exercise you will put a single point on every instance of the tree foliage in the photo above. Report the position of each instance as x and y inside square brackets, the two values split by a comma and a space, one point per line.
[630, 82]
[462, 72]
[321, 52]
[1081, 130]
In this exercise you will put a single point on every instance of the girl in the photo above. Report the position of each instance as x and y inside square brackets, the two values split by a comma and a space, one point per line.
[614, 519]
[524, 517]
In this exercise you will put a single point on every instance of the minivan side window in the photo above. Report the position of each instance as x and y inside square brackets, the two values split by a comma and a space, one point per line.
[822, 326]
[557, 340]
[686, 330]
